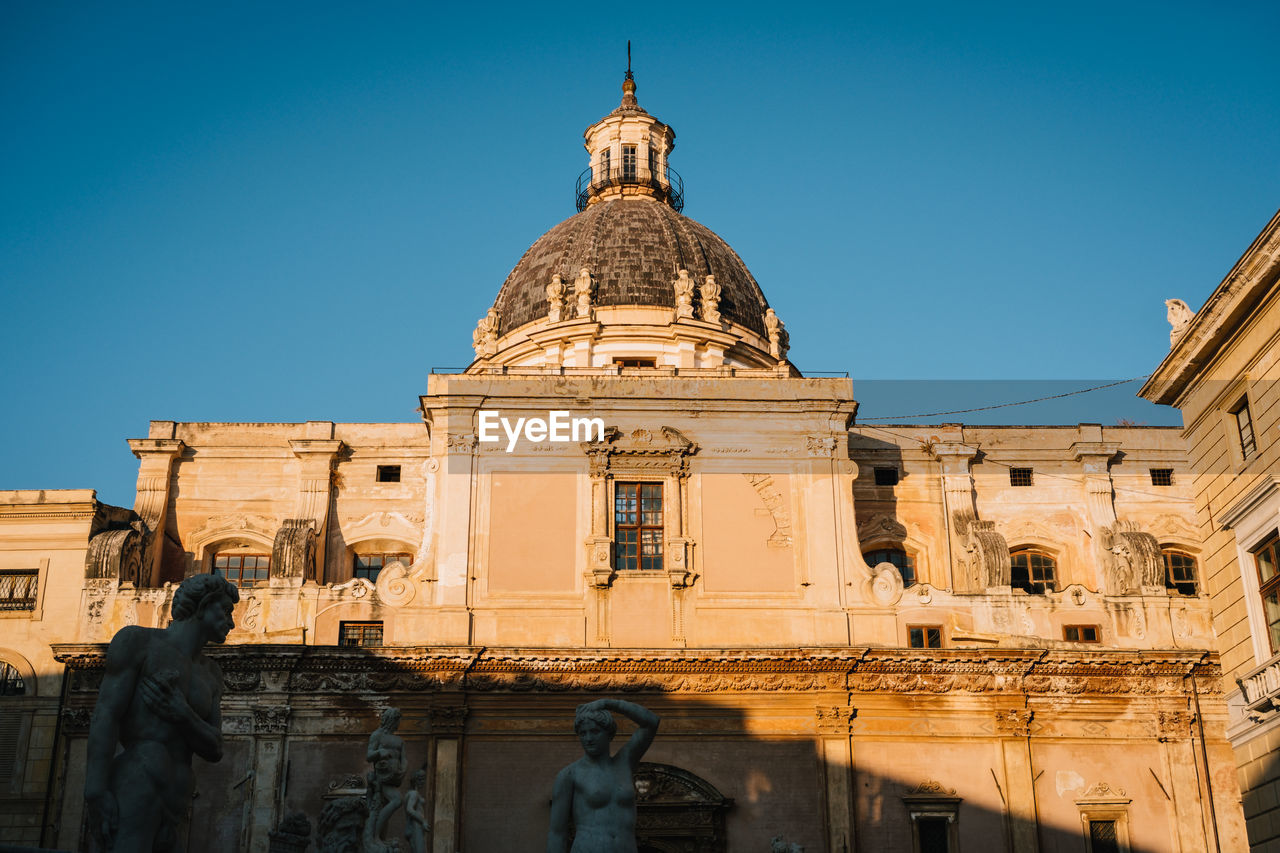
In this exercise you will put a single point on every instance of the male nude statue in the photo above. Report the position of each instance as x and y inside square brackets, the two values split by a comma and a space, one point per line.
[597, 790]
[386, 754]
[160, 700]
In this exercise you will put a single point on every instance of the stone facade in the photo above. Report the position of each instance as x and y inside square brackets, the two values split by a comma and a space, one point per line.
[858, 638]
[1223, 366]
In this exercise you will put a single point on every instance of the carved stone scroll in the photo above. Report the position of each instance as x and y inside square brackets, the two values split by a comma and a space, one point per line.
[1133, 559]
[293, 554]
[116, 555]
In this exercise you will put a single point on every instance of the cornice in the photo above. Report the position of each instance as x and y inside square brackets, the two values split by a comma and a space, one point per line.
[1217, 320]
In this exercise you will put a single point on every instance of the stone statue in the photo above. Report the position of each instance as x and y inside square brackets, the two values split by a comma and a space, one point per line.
[292, 835]
[159, 701]
[684, 295]
[485, 337]
[779, 340]
[386, 753]
[582, 292]
[1180, 316]
[555, 299]
[340, 825]
[710, 293]
[415, 814]
[597, 791]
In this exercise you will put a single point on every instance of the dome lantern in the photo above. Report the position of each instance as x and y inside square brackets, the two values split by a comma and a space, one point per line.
[627, 155]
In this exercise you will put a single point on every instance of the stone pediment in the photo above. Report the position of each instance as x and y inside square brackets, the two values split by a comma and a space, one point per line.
[662, 449]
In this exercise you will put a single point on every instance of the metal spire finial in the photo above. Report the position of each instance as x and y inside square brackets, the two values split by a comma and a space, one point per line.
[630, 76]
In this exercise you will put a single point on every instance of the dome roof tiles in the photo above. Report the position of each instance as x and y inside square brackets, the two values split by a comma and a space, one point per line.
[634, 248]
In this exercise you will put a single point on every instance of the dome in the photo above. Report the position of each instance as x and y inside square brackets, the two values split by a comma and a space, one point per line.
[634, 248]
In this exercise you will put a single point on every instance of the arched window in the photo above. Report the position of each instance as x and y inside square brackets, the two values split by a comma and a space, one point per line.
[905, 563]
[1033, 571]
[11, 683]
[1179, 572]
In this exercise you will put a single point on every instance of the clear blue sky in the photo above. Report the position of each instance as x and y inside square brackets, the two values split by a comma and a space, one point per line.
[278, 212]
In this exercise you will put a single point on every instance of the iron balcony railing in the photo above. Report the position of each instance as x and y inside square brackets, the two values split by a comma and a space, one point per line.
[665, 185]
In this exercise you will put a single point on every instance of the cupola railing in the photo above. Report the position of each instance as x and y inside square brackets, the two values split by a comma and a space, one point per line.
[666, 187]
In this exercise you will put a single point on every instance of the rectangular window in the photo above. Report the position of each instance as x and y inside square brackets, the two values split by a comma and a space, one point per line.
[605, 157]
[1162, 476]
[244, 570]
[1103, 837]
[367, 566]
[1080, 633]
[924, 636]
[886, 476]
[1020, 476]
[637, 527]
[359, 633]
[628, 162]
[388, 473]
[1244, 426]
[18, 589]
[635, 362]
[934, 835]
[1267, 558]
[653, 162]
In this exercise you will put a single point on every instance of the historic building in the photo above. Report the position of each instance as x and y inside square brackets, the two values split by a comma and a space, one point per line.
[905, 638]
[1223, 372]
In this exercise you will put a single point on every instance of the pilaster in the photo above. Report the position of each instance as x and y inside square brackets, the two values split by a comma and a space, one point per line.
[155, 469]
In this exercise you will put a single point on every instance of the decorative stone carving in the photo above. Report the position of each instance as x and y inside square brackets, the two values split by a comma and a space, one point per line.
[779, 340]
[835, 719]
[1133, 560]
[1014, 722]
[485, 337]
[341, 825]
[776, 505]
[75, 721]
[271, 719]
[821, 446]
[984, 560]
[293, 835]
[1103, 791]
[1174, 725]
[778, 844]
[1179, 315]
[462, 443]
[881, 527]
[597, 792]
[884, 587]
[555, 299]
[293, 554]
[395, 587]
[386, 754]
[683, 286]
[710, 293]
[930, 788]
[448, 719]
[582, 294]
[160, 699]
[117, 554]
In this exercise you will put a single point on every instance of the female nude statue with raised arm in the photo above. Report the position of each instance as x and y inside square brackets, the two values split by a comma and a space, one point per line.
[597, 790]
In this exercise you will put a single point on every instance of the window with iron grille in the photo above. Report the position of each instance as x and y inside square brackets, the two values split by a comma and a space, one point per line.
[1244, 428]
[11, 683]
[1021, 476]
[904, 562]
[246, 571]
[637, 527]
[1080, 633]
[1162, 476]
[1103, 837]
[388, 474]
[1033, 571]
[886, 476]
[18, 588]
[1267, 559]
[10, 728]
[628, 162]
[924, 636]
[368, 566]
[359, 633]
[1179, 572]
